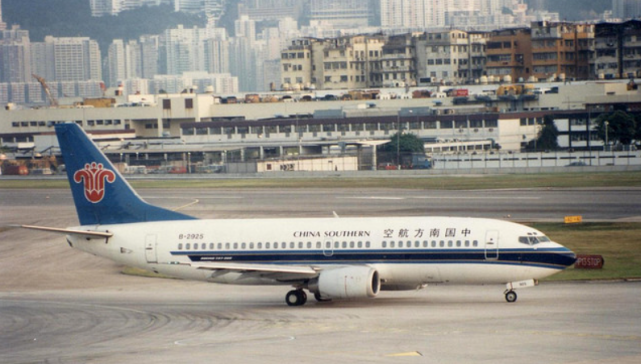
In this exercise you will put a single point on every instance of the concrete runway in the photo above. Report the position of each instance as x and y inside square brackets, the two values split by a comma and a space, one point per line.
[176, 322]
[64, 306]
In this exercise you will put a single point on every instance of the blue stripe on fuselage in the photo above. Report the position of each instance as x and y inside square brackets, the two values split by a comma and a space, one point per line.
[557, 258]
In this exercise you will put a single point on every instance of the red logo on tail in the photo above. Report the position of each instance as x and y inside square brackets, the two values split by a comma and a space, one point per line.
[94, 177]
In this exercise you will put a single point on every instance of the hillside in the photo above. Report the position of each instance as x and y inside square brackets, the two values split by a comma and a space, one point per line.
[72, 18]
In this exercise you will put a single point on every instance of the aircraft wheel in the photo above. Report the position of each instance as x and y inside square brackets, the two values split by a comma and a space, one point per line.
[296, 297]
[510, 296]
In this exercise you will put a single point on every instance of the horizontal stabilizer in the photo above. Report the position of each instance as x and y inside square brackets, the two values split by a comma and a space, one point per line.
[267, 268]
[83, 233]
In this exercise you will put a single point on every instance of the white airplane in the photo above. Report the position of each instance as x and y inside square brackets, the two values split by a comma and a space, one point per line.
[332, 258]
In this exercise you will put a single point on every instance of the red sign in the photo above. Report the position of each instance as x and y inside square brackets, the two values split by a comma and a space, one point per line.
[589, 262]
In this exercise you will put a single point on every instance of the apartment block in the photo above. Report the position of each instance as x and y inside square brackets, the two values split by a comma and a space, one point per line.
[397, 63]
[561, 50]
[444, 56]
[336, 63]
[509, 55]
[617, 50]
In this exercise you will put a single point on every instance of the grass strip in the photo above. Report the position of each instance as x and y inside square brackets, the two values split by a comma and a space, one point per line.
[556, 180]
[618, 243]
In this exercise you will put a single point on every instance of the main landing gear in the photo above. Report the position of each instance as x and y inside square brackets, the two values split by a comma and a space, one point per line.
[297, 297]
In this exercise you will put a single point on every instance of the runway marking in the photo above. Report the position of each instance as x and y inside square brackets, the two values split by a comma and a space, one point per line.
[441, 198]
[411, 353]
[373, 198]
[476, 198]
[203, 342]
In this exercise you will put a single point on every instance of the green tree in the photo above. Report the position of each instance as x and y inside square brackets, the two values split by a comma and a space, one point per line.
[621, 127]
[548, 137]
[402, 148]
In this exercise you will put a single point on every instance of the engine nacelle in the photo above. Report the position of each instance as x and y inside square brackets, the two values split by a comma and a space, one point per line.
[348, 282]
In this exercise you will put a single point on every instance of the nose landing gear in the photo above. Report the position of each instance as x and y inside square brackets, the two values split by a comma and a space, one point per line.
[510, 296]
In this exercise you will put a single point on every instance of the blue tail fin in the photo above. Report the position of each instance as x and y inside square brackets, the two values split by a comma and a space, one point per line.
[101, 194]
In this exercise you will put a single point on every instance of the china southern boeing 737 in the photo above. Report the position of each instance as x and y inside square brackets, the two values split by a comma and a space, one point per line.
[332, 258]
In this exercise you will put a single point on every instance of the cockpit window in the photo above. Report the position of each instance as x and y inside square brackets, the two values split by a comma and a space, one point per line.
[533, 240]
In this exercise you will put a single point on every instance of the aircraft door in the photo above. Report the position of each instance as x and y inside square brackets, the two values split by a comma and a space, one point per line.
[150, 249]
[492, 245]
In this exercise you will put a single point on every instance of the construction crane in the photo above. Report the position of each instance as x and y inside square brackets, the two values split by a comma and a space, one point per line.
[45, 87]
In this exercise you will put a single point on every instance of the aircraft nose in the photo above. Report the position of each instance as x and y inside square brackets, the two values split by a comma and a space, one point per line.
[566, 257]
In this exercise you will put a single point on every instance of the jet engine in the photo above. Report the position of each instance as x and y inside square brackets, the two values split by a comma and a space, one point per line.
[347, 282]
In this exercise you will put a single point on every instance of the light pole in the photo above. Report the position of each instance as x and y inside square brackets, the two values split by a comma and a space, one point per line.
[398, 141]
[606, 123]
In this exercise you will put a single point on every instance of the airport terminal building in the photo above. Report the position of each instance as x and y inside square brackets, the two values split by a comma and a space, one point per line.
[203, 129]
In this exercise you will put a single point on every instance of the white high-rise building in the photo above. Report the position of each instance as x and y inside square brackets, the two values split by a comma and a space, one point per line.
[246, 28]
[105, 7]
[75, 58]
[149, 54]
[217, 52]
[342, 13]
[626, 9]
[184, 50]
[3, 25]
[15, 55]
[116, 62]
[413, 14]
[113, 7]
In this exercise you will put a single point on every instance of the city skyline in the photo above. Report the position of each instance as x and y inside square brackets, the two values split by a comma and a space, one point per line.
[247, 60]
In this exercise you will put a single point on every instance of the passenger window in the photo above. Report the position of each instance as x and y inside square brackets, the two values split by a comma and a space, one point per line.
[367, 244]
[243, 246]
[309, 245]
[344, 244]
[292, 245]
[458, 243]
[467, 243]
[180, 246]
[300, 245]
[227, 246]
[318, 245]
[391, 244]
[351, 244]
[449, 243]
[235, 246]
[433, 243]
[268, 245]
[384, 244]
[251, 246]
[336, 245]
[187, 246]
[283, 245]
[220, 246]
[442, 243]
[328, 245]
[417, 244]
[400, 244]
[475, 243]
[360, 244]
[259, 246]
[425, 244]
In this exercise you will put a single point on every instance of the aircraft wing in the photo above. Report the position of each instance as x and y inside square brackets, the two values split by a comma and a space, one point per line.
[81, 233]
[271, 271]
